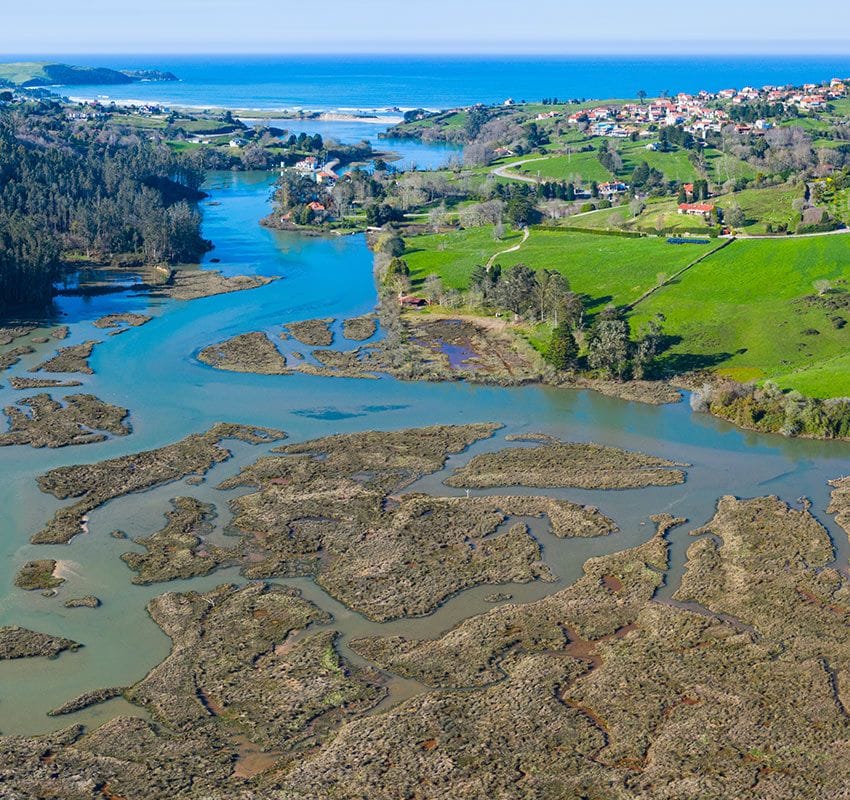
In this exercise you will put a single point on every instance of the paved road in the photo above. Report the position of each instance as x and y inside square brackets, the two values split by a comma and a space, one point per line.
[502, 172]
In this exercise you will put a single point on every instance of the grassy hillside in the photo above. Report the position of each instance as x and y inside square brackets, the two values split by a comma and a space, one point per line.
[454, 255]
[675, 165]
[606, 268]
[45, 73]
[743, 311]
[21, 72]
[750, 310]
[577, 167]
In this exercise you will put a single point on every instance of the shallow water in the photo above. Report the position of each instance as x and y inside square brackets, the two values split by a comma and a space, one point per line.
[153, 371]
[406, 154]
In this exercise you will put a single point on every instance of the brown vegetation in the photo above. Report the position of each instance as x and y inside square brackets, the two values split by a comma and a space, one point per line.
[586, 466]
[95, 484]
[40, 421]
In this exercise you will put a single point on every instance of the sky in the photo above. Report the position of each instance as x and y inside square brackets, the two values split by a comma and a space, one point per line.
[435, 26]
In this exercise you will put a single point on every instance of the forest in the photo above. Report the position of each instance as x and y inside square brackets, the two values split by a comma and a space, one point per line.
[75, 189]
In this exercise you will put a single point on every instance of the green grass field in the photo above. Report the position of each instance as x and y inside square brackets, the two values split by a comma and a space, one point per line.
[139, 121]
[575, 167]
[675, 165]
[454, 255]
[762, 206]
[771, 205]
[22, 71]
[722, 167]
[739, 311]
[612, 218]
[182, 147]
[663, 215]
[606, 268]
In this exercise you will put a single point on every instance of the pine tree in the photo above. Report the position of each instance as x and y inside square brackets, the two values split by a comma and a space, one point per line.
[562, 352]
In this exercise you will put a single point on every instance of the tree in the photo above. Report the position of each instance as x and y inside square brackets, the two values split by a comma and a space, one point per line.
[734, 216]
[485, 282]
[549, 292]
[432, 288]
[608, 347]
[648, 346]
[391, 244]
[184, 237]
[562, 351]
[437, 217]
[520, 210]
[396, 268]
[641, 96]
[515, 290]
[378, 215]
[476, 118]
[572, 310]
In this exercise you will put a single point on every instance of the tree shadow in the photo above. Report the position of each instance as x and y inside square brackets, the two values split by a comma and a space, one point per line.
[593, 304]
[667, 363]
[677, 363]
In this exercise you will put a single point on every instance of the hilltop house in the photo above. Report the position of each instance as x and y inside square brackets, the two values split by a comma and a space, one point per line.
[704, 210]
[612, 189]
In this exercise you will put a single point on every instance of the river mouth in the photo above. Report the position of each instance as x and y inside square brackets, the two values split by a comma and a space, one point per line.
[153, 372]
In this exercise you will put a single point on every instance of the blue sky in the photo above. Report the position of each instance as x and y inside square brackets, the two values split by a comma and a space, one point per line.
[461, 26]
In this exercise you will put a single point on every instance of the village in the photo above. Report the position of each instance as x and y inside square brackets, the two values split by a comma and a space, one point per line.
[700, 113]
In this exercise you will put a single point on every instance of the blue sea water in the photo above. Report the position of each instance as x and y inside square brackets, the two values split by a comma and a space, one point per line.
[380, 82]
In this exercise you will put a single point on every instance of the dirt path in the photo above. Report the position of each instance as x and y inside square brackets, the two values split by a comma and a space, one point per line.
[525, 234]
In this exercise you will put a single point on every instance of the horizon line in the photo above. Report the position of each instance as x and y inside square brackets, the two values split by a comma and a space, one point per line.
[775, 48]
[182, 56]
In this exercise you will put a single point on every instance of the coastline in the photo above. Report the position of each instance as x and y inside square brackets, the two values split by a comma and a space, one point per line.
[256, 113]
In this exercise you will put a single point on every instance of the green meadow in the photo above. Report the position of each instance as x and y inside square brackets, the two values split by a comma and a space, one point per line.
[675, 165]
[454, 255]
[606, 268]
[748, 310]
[577, 167]
[742, 312]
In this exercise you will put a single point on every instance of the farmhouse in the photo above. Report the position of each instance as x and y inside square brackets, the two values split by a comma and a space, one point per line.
[307, 164]
[697, 209]
[612, 188]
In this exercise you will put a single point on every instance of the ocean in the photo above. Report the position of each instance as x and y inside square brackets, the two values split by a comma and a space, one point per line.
[346, 83]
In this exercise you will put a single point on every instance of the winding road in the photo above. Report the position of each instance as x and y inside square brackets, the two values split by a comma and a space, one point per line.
[502, 172]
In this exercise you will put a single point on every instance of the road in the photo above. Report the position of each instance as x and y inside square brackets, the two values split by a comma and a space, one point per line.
[502, 172]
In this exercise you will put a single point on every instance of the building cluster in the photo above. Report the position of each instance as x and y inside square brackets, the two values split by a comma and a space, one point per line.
[701, 113]
[322, 174]
[692, 111]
